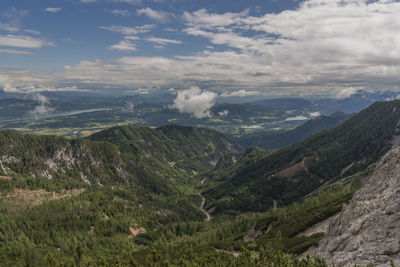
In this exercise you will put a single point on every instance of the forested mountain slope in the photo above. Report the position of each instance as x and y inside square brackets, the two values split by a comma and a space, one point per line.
[187, 148]
[100, 192]
[120, 154]
[292, 172]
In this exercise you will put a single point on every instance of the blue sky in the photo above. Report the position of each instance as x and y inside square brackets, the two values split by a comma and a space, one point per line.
[230, 48]
[73, 27]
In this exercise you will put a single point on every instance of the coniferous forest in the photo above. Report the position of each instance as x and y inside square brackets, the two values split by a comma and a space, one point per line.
[141, 197]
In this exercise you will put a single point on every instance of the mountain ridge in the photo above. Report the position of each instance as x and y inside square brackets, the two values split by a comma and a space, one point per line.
[294, 171]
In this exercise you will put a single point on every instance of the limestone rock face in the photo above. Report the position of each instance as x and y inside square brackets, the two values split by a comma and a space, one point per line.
[368, 229]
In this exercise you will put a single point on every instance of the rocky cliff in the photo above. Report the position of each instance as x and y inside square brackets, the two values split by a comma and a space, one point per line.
[368, 229]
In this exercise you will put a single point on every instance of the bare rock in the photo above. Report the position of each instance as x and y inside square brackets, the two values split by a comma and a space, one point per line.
[368, 229]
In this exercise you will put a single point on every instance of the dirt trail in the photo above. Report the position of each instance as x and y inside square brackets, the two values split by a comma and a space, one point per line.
[203, 210]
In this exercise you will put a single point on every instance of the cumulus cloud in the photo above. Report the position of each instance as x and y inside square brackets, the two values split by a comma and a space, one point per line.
[346, 93]
[334, 36]
[160, 16]
[195, 101]
[52, 9]
[223, 113]
[43, 108]
[341, 44]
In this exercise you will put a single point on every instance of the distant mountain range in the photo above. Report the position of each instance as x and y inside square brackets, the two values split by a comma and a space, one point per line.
[300, 133]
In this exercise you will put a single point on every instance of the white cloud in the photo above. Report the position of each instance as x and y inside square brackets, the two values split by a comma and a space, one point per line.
[195, 101]
[128, 30]
[160, 16]
[323, 42]
[241, 93]
[8, 27]
[22, 41]
[315, 114]
[14, 52]
[296, 118]
[323, 46]
[140, 91]
[223, 113]
[201, 18]
[120, 12]
[346, 93]
[123, 46]
[52, 9]
[131, 37]
[220, 69]
[129, 107]
[32, 32]
[162, 41]
[43, 108]
[22, 81]
[13, 17]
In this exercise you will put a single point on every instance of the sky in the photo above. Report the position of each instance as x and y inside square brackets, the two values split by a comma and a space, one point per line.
[216, 48]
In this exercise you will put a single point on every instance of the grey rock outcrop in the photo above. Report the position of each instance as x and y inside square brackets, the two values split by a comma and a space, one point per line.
[368, 229]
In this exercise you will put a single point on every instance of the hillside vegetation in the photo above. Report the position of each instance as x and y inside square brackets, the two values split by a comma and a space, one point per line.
[132, 196]
[294, 171]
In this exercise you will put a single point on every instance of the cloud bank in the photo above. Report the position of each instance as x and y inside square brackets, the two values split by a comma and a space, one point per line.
[322, 46]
